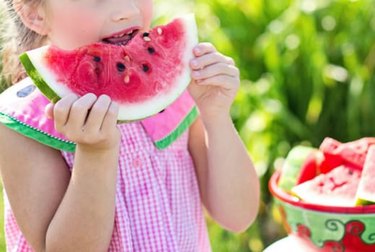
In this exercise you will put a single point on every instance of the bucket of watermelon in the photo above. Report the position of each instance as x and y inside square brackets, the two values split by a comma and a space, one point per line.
[326, 196]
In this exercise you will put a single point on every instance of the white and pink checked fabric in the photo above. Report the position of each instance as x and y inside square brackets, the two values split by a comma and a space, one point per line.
[158, 207]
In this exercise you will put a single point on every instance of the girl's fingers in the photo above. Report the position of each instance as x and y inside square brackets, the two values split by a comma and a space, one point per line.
[79, 111]
[97, 113]
[110, 117]
[48, 111]
[222, 81]
[203, 48]
[209, 59]
[61, 110]
[215, 69]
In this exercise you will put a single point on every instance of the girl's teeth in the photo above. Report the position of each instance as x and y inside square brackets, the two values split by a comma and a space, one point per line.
[121, 39]
[123, 34]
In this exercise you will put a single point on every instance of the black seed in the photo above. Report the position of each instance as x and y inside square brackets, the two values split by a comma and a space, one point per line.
[146, 34]
[151, 50]
[146, 68]
[97, 59]
[162, 111]
[120, 67]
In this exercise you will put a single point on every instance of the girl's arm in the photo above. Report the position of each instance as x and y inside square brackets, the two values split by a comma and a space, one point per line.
[228, 183]
[56, 210]
[227, 179]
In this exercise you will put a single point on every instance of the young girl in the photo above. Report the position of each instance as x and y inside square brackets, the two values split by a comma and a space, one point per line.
[118, 191]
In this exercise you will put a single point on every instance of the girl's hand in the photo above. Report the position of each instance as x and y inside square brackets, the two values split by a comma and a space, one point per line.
[215, 81]
[88, 121]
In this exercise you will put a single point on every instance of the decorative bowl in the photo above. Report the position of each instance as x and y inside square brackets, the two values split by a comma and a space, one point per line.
[325, 228]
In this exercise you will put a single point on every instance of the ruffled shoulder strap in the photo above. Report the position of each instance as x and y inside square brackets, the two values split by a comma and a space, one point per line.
[22, 109]
[165, 127]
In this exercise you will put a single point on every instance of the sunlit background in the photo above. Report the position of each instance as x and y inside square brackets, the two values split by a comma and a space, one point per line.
[307, 69]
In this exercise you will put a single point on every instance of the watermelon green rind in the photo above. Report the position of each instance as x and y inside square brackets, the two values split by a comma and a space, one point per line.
[362, 202]
[37, 79]
[188, 120]
[36, 134]
[128, 112]
[292, 166]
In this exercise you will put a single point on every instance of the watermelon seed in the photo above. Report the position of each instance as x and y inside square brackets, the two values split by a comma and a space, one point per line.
[96, 58]
[127, 79]
[145, 67]
[147, 39]
[146, 34]
[159, 30]
[151, 50]
[120, 67]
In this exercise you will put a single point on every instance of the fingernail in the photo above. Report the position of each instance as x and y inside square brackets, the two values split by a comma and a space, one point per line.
[197, 51]
[90, 95]
[104, 96]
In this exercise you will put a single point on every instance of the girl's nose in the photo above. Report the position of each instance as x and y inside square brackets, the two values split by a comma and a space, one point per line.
[125, 11]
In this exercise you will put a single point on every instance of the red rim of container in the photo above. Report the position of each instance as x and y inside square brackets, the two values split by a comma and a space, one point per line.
[287, 198]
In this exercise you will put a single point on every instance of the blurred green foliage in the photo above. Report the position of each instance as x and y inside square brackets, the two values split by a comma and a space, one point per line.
[307, 69]
[307, 72]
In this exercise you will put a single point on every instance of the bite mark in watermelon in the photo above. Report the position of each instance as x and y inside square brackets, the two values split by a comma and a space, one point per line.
[366, 188]
[335, 188]
[143, 77]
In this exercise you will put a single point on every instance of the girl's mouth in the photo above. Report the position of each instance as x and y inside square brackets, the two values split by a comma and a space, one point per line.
[121, 38]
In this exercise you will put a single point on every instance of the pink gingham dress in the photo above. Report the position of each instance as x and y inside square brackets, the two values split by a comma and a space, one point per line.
[158, 207]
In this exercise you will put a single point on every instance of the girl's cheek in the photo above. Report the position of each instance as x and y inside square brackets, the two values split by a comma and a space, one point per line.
[68, 35]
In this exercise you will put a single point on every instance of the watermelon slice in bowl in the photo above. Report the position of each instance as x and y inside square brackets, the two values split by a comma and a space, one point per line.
[335, 188]
[325, 228]
[143, 76]
[322, 211]
[366, 189]
[299, 165]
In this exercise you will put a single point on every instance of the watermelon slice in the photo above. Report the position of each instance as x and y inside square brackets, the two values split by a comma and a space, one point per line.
[366, 189]
[291, 169]
[335, 188]
[350, 154]
[143, 76]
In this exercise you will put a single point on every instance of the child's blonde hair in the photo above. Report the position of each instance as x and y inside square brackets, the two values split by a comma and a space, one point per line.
[16, 38]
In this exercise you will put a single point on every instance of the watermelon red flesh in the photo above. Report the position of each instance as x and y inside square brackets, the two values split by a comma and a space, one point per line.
[331, 159]
[335, 188]
[366, 189]
[310, 167]
[143, 76]
[351, 154]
